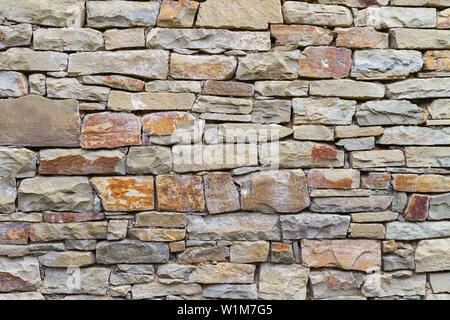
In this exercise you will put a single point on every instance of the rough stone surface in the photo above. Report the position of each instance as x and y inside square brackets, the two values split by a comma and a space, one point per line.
[334, 283]
[131, 251]
[316, 14]
[432, 255]
[314, 226]
[283, 282]
[268, 66]
[389, 112]
[325, 62]
[202, 67]
[323, 111]
[180, 193]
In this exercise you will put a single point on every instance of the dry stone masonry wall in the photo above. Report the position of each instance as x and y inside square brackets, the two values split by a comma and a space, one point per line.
[252, 149]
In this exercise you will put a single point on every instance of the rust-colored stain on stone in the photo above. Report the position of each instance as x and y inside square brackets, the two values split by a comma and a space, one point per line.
[417, 209]
[180, 193]
[125, 193]
[437, 60]
[325, 62]
[124, 82]
[164, 123]
[14, 233]
[10, 282]
[377, 181]
[320, 152]
[110, 130]
[421, 183]
[228, 88]
[318, 180]
[77, 164]
[171, 9]
[64, 217]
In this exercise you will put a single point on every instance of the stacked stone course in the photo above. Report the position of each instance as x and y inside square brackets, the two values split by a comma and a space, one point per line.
[102, 102]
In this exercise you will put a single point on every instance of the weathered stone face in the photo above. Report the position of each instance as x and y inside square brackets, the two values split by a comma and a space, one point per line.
[361, 255]
[17, 162]
[124, 101]
[125, 193]
[15, 35]
[177, 13]
[283, 282]
[149, 160]
[389, 112]
[314, 226]
[13, 84]
[421, 183]
[333, 178]
[396, 17]
[56, 193]
[377, 158]
[419, 39]
[325, 62]
[432, 255]
[221, 193]
[110, 130]
[345, 88]
[268, 66]
[180, 193]
[14, 233]
[412, 231]
[418, 89]
[249, 252]
[65, 231]
[127, 38]
[239, 14]
[20, 274]
[300, 35]
[60, 118]
[202, 67]
[334, 283]
[351, 204]
[223, 273]
[361, 37]
[386, 284]
[274, 191]
[323, 111]
[316, 14]
[132, 251]
[67, 39]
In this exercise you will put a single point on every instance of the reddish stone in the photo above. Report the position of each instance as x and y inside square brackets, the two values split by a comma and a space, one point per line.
[322, 152]
[110, 130]
[366, 37]
[417, 209]
[164, 123]
[375, 180]
[125, 193]
[81, 162]
[301, 35]
[333, 178]
[64, 217]
[364, 255]
[228, 88]
[325, 62]
[180, 193]
[221, 193]
[14, 233]
[421, 183]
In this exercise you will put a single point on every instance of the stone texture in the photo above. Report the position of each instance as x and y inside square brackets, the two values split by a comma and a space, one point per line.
[125, 193]
[363, 255]
[313, 132]
[374, 216]
[402, 135]
[64, 217]
[221, 194]
[231, 291]
[149, 64]
[66, 231]
[295, 88]
[204, 254]
[433, 255]
[222, 105]
[55, 193]
[149, 160]
[17, 162]
[161, 219]
[314, 226]
[356, 144]
[132, 251]
[24, 59]
[417, 208]
[335, 283]
[300, 35]
[110, 130]
[239, 14]
[439, 207]
[88, 281]
[228, 88]
[13, 84]
[14, 233]
[375, 180]
[15, 35]
[438, 109]
[175, 14]
[214, 67]
[67, 259]
[440, 282]
[419, 89]
[412, 231]
[345, 88]
[351, 204]
[387, 284]
[151, 290]
[325, 62]
[389, 112]
[281, 253]
[419, 39]
[60, 118]
[102, 14]
[126, 38]
[367, 230]
[293, 154]
[421, 183]
[361, 37]
[377, 158]
[316, 14]
[355, 131]
[402, 257]
[80, 162]
[437, 60]
[65, 13]
[70, 88]
[249, 252]
[333, 178]
[162, 38]
[125, 101]
[223, 273]
[268, 66]
[246, 133]
[323, 111]
[274, 191]
[180, 193]
[385, 64]
[20, 274]
[67, 39]
[115, 81]
[383, 17]
[283, 282]
[234, 226]
[159, 235]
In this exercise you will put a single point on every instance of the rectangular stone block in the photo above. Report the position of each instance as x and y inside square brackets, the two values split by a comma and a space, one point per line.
[345, 88]
[428, 157]
[392, 17]
[24, 59]
[421, 183]
[316, 14]
[47, 232]
[420, 39]
[377, 158]
[277, 65]
[126, 101]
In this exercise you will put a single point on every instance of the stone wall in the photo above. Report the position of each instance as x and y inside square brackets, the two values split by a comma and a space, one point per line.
[255, 149]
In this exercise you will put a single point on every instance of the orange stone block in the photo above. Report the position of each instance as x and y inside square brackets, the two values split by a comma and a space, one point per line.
[125, 193]
[421, 183]
[363, 255]
[333, 178]
[180, 193]
[417, 209]
[14, 233]
[437, 60]
[365, 37]
[165, 123]
[110, 130]
[325, 62]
